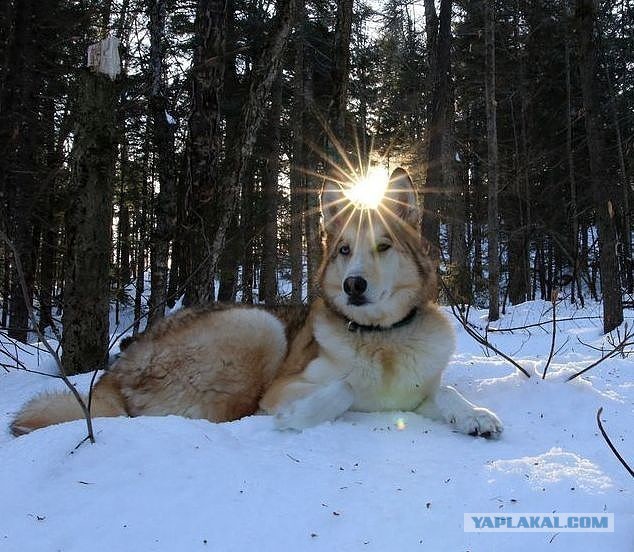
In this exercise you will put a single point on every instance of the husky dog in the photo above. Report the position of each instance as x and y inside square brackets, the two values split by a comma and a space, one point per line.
[373, 340]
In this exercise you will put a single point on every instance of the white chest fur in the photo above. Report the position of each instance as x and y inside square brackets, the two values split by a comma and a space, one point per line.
[388, 370]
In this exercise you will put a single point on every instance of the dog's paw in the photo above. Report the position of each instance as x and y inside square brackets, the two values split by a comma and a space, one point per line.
[324, 404]
[480, 422]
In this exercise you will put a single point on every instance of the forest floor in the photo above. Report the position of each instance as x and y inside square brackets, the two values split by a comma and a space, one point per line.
[383, 482]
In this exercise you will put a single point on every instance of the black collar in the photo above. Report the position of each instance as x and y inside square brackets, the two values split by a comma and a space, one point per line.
[356, 327]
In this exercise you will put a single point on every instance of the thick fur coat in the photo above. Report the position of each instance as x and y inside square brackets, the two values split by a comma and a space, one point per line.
[373, 340]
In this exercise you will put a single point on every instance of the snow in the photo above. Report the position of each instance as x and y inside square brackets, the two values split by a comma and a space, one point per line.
[360, 483]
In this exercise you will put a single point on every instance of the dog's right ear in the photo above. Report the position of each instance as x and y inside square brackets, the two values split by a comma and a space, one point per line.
[401, 196]
[333, 202]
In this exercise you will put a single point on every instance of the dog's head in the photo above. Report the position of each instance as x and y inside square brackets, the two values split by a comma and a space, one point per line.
[375, 270]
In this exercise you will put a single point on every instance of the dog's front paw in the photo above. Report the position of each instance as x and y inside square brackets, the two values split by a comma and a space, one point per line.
[325, 403]
[479, 422]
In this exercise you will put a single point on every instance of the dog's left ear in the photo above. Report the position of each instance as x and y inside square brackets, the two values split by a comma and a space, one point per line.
[401, 197]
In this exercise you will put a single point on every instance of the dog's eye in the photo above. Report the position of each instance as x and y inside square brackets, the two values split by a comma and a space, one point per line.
[383, 247]
[344, 250]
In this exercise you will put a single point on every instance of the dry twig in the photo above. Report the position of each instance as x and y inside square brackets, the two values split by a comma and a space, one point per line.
[460, 316]
[612, 447]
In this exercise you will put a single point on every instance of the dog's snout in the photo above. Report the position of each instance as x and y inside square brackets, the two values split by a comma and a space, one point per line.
[355, 285]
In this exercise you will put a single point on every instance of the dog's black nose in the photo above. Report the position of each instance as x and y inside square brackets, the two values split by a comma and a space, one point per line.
[355, 286]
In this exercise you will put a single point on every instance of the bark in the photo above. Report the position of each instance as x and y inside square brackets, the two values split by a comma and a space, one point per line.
[439, 43]
[247, 233]
[204, 188]
[163, 145]
[601, 185]
[298, 165]
[341, 67]
[270, 200]
[88, 228]
[492, 165]
[48, 247]
[312, 185]
[624, 211]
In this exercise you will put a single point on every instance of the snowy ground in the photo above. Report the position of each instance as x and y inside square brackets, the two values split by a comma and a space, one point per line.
[170, 484]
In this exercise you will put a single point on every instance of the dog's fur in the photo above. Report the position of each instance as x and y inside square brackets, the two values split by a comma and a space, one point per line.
[384, 349]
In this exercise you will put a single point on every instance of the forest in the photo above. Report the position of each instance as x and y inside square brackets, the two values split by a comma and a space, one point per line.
[192, 175]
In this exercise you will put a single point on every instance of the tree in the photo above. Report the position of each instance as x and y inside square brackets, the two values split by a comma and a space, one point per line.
[89, 220]
[601, 187]
[163, 142]
[492, 163]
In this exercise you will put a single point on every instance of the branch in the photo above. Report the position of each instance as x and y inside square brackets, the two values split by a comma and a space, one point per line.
[612, 447]
[617, 349]
[62, 374]
[474, 334]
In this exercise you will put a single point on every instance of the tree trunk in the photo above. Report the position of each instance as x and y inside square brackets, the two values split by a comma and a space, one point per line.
[88, 228]
[270, 198]
[204, 187]
[341, 67]
[298, 167]
[247, 232]
[574, 212]
[163, 142]
[601, 184]
[492, 169]
[439, 51]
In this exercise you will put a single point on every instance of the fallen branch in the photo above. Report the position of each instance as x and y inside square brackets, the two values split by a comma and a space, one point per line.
[459, 315]
[612, 447]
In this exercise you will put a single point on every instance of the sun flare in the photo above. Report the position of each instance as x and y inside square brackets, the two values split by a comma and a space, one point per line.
[368, 191]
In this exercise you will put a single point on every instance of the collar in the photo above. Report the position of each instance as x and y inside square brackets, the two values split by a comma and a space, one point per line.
[356, 327]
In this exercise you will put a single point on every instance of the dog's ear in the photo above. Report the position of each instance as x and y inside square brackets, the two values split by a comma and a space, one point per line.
[401, 197]
[332, 202]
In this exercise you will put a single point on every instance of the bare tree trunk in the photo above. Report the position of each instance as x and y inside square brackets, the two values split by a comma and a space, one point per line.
[341, 67]
[163, 142]
[88, 224]
[247, 233]
[492, 172]
[205, 190]
[601, 186]
[575, 288]
[624, 211]
[270, 199]
[298, 167]
[312, 185]
[439, 48]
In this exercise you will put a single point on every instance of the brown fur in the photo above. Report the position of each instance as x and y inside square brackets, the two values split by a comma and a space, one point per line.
[221, 362]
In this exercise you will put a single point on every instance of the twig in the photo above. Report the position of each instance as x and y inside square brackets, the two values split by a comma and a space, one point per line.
[538, 324]
[612, 447]
[62, 374]
[475, 335]
[618, 348]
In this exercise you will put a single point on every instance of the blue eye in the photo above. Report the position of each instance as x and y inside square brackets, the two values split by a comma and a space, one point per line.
[344, 250]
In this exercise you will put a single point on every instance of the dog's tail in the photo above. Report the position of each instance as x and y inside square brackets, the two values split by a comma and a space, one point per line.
[54, 408]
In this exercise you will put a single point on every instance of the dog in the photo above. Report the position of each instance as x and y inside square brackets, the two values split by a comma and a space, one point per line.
[372, 340]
